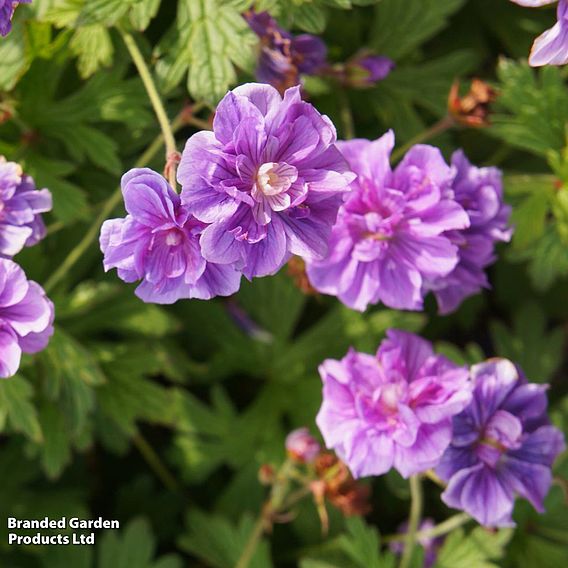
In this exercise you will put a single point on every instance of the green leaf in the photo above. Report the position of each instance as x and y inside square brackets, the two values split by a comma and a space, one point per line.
[217, 36]
[537, 105]
[17, 409]
[13, 61]
[310, 17]
[55, 452]
[219, 543]
[538, 351]
[362, 543]
[474, 550]
[142, 13]
[93, 47]
[400, 27]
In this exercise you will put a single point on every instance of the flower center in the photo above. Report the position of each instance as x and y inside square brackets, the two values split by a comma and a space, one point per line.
[174, 237]
[274, 178]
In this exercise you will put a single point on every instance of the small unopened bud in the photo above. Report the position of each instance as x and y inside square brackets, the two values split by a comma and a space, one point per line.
[366, 69]
[474, 108]
[302, 446]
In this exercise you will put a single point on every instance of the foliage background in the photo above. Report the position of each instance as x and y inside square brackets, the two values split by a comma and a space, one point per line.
[214, 398]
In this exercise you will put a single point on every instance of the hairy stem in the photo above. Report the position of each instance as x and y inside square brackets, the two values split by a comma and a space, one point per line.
[155, 463]
[413, 521]
[441, 126]
[155, 99]
[107, 208]
[252, 543]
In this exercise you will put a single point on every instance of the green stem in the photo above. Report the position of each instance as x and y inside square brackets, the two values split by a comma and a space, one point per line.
[345, 114]
[155, 463]
[252, 543]
[439, 530]
[106, 210]
[441, 126]
[413, 521]
[155, 99]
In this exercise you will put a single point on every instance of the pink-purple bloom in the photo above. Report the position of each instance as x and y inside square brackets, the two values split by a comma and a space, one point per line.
[26, 317]
[391, 237]
[21, 206]
[7, 8]
[393, 409]
[550, 48]
[283, 57]
[158, 243]
[503, 446]
[269, 179]
[302, 446]
[480, 192]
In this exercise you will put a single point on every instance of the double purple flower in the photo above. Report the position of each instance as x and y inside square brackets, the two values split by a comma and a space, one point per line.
[158, 243]
[424, 226]
[21, 206]
[26, 317]
[550, 48]
[284, 58]
[503, 446]
[7, 8]
[394, 409]
[269, 180]
[391, 236]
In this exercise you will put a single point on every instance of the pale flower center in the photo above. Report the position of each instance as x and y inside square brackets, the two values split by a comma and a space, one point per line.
[274, 178]
[174, 238]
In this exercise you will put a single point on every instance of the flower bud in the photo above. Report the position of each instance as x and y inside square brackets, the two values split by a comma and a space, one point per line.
[366, 69]
[302, 446]
[474, 108]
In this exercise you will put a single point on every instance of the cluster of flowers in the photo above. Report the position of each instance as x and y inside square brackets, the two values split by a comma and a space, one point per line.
[424, 226]
[26, 314]
[264, 185]
[271, 181]
[285, 58]
[551, 48]
[7, 8]
[484, 430]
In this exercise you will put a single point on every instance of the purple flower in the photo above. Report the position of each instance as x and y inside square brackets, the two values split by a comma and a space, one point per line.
[302, 446]
[480, 192]
[158, 243]
[21, 205]
[283, 57]
[550, 48]
[394, 409]
[7, 8]
[390, 236]
[26, 317]
[429, 544]
[366, 69]
[269, 179]
[503, 446]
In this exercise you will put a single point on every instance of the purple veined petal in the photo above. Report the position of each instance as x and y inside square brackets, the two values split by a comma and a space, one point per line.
[551, 48]
[13, 284]
[13, 238]
[263, 97]
[541, 447]
[527, 401]
[216, 280]
[35, 342]
[307, 238]
[445, 216]
[233, 111]
[32, 314]
[432, 256]
[219, 245]
[370, 459]
[400, 286]
[362, 289]
[480, 492]
[371, 159]
[10, 353]
[529, 480]
[148, 197]
[457, 458]
[165, 292]
[118, 240]
[431, 442]
[267, 256]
